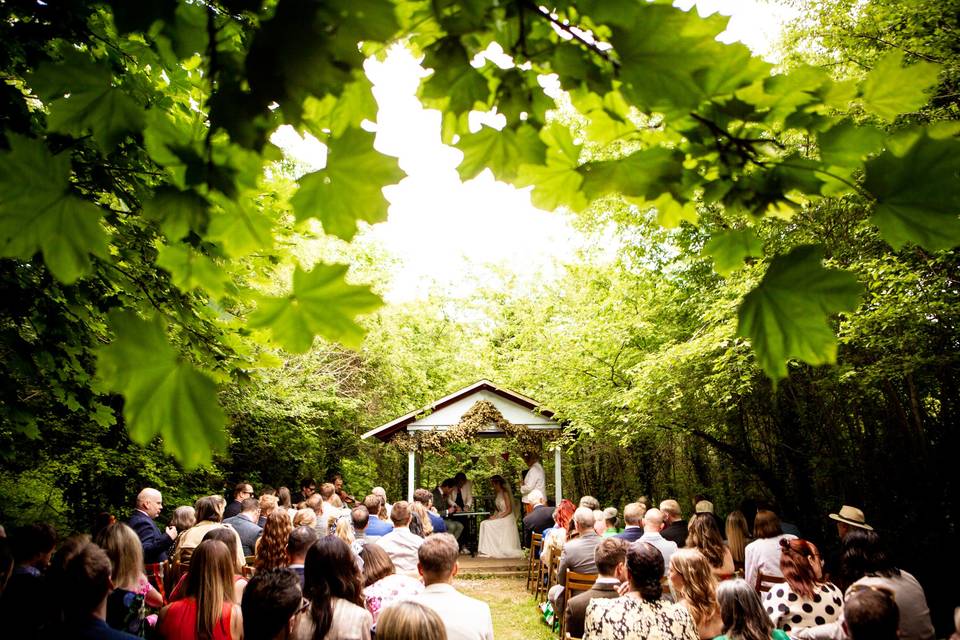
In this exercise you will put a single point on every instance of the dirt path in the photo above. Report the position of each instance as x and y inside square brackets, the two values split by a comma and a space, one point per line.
[515, 614]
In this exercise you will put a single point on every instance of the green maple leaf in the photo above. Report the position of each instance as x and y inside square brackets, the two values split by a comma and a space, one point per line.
[454, 80]
[891, 89]
[82, 98]
[321, 303]
[730, 248]
[240, 227]
[350, 188]
[670, 212]
[38, 212]
[643, 174]
[500, 151]
[178, 212]
[847, 144]
[163, 394]
[918, 193]
[554, 185]
[191, 270]
[787, 315]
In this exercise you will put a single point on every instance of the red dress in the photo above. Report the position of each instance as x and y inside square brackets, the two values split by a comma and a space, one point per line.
[180, 621]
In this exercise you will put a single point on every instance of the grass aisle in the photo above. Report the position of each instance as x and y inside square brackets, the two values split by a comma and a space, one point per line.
[515, 614]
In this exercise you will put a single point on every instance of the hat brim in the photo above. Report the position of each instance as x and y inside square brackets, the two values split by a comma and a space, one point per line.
[852, 523]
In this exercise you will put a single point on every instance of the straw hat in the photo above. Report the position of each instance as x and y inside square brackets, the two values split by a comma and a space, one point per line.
[852, 516]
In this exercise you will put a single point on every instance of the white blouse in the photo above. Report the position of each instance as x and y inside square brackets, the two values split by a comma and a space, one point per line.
[763, 556]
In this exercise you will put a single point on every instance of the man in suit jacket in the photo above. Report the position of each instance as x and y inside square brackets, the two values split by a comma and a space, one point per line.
[610, 556]
[539, 519]
[375, 526]
[463, 617]
[240, 493]
[156, 545]
[676, 527]
[246, 525]
[633, 517]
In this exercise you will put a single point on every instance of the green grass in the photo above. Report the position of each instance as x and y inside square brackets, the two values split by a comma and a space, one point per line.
[515, 613]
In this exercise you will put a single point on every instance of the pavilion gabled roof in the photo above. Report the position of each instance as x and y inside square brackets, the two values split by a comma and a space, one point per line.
[447, 411]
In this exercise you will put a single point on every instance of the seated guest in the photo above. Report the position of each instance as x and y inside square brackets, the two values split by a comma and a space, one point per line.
[271, 549]
[599, 523]
[425, 498]
[675, 527]
[578, 555]
[610, 558]
[308, 486]
[270, 605]
[866, 564]
[359, 520]
[184, 517]
[156, 545]
[284, 499]
[443, 502]
[382, 586]
[701, 505]
[240, 493]
[245, 524]
[703, 535]
[463, 617]
[421, 523]
[298, 543]
[24, 598]
[743, 615]
[695, 584]
[610, 517]
[464, 493]
[555, 537]
[590, 502]
[81, 588]
[540, 517]
[738, 537]
[805, 599]
[848, 519]
[633, 521]
[332, 584]
[382, 494]
[652, 528]
[6, 562]
[641, 613]
[871, 614]
[410, 621]
[331, 508]
[208, 609]
[229, 538]
[209, 510]
[307, 517]
[401, 544]
[267, 505]
[376, 526]
[132, 592]
[763, 554]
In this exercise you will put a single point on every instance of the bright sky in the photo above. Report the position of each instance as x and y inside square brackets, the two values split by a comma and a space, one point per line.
[443, 231]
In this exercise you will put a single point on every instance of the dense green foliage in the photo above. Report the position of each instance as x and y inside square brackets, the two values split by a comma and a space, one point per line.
[160, 276]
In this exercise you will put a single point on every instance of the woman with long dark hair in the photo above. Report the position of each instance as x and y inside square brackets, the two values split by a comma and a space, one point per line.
[333, 585]
[805, 599]
[743, 615]
[704, 536]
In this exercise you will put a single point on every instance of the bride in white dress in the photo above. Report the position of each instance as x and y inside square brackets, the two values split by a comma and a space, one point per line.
[499, 537]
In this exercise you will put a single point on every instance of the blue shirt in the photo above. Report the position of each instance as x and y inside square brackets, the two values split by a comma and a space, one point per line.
[377, 527]
[439, 526]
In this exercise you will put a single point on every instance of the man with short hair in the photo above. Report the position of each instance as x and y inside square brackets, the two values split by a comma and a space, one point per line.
[245, 524]
[534, 480]
[25, 597]
[579, 554]
[401, 544]
[675, 527]
[156, 545]
[308, 486]
[270, 604]
[609, 556]
[633, 522]
[443, 503]
[871, 614]
[298, 543]
[360, 518]
[240, 493]
[81, 590]
[425, 498]
[464, 495]
[376, 527]
[848, 518]
[463, 617]
[653, 533]
[539, 519]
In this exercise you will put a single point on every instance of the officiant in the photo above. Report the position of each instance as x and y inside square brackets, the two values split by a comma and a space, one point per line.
[535, 478]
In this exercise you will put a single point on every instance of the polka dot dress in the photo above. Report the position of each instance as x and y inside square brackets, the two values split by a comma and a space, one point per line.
[789, 611]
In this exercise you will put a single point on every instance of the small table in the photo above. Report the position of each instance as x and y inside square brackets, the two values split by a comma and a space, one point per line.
[470, 528]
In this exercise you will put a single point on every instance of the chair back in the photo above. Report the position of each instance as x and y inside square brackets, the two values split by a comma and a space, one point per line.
[574, 583]
[155, 572]
[765, 581]
[536, 542]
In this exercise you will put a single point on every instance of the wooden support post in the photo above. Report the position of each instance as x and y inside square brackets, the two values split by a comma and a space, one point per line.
[557, 478]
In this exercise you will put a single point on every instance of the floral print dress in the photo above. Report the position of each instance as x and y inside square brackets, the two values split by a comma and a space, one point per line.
[629, 618]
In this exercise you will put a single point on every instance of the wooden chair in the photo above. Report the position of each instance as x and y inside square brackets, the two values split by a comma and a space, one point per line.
[155, 574]
[765, 581]
[536, 542]
[573, 584]
[552, 572]
[250, 560]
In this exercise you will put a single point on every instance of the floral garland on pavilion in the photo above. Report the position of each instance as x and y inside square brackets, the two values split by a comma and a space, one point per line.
[471, 424]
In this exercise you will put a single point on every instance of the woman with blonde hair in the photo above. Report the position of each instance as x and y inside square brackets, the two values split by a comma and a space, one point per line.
[268, 503]
[424, 526]
[738, 537]
[704, 536]
[694, 582]
[305, 518]
[345, 531]
[132, 591]
[209, 611]
[271, 548]
[410, 621]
